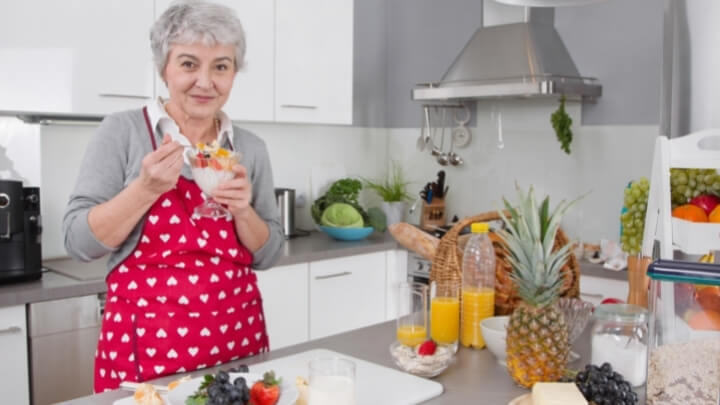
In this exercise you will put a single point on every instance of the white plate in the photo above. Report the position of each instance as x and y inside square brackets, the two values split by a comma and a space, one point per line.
[288, 390]
[131, 401]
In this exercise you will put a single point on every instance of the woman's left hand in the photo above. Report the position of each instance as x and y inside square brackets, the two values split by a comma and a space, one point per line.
[236, 194]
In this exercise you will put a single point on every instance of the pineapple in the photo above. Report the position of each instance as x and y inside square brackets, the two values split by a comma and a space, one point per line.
[537, 336]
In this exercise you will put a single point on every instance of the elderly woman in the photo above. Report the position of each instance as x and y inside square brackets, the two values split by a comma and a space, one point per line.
[181, 292]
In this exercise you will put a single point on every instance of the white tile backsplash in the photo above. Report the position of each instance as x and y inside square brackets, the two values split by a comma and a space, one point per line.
[603, 160]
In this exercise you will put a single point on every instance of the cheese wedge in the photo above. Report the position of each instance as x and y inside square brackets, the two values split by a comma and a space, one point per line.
[557, 394]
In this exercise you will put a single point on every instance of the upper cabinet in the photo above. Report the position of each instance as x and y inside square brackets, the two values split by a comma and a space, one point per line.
[314, 61]
[75, 56]
[90, 57]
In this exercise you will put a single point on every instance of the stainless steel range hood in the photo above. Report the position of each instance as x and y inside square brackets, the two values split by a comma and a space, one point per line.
[526, 59]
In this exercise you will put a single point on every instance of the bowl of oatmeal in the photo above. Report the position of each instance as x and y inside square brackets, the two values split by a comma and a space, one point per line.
[420, 360]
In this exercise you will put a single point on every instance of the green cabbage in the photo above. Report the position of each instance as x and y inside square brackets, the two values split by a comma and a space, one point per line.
[341, 215]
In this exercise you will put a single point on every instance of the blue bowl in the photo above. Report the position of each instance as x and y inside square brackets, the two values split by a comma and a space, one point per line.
[347, 233]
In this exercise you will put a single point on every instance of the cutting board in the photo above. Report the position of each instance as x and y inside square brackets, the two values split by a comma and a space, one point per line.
[375, 384]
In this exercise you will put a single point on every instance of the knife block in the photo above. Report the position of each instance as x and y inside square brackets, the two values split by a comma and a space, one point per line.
[433, 214]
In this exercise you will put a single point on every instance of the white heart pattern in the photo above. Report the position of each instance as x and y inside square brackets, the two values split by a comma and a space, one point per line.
[214, 350]
[258, 335]
[194, 314]
[140, 331]
[166, 253]
[187, 195]
[251, 319]
[131, 358]
[199, 263]
[201, 242]
[171, 281]
[145, 239]
[132, 285]
[123, 268]
[182, 331]
[205, 332]
[149, 315]
[150, 351]
[174, 219]
[204, 298]
[245, 342]
[230, 344]
[109, 336]
[153, 219]
[117, 318]
[237, 290]
[180, 265]
[113, 287]
[218, 251]
[201, 366]
[214, 278]
[182, 239]
[193, 351]
[122, 375]
[102, 372]
[137, 253]
[112, 355]
[215, 260]
[214, 313]
[166, 203]
[151, 281]
[165, 237]
[161, 299]
[161, 334]
[159, 369]
[142, 302]
[193, 278]
[229, 274]
[223, 328]
[172, 354]
[249, 288]
[125, 338]
[223, 234]
[180, 370]
[238, 325]
[233, 252]
[205, 234]
[231, 310]
[183, 300]
[221, 295]
[113, 374]
[141, 267]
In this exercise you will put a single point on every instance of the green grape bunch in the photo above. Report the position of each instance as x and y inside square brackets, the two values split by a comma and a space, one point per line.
[685, 184]
[633, 219]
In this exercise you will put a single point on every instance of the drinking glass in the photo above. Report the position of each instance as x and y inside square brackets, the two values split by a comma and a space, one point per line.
[411, 313]
[331, 381]
[445, 313]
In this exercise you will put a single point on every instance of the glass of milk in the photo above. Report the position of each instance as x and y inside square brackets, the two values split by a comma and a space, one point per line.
[331, 381]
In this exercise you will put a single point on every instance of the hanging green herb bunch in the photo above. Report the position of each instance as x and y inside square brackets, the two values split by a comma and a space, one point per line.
[562, 122]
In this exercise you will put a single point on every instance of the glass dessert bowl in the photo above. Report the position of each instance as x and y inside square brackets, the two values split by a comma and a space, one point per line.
[410, 359]
[211, 165]
[577, 314]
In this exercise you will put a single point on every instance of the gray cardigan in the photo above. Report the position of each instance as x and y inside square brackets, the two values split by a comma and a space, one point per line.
[113, 159]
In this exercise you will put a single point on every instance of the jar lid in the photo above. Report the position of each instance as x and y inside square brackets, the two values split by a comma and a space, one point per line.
[684, 272]
[479, 227]
[625, 313]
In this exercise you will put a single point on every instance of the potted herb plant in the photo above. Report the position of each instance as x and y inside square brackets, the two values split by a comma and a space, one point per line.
[393, 191]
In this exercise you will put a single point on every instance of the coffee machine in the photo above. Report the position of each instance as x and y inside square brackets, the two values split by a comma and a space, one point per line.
[20, 230]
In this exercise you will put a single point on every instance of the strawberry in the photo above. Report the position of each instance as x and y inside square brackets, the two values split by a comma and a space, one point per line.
[427, 348]
[215, 164]
[266, 391]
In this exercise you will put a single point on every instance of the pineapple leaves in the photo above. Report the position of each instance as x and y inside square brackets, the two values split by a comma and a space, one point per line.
[529, 237]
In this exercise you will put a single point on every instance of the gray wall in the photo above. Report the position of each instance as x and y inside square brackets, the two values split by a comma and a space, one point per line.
[399, 43]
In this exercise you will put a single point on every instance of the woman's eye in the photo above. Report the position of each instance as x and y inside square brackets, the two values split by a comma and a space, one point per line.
[222, 67]
[187, 64]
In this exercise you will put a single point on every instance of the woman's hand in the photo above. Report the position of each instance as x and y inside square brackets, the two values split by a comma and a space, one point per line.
[236, 194]
[161, 168]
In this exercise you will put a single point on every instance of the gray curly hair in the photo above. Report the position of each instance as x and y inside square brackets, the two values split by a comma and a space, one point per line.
[192, 21]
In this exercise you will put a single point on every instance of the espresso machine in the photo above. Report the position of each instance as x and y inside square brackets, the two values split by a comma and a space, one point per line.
[20, 231]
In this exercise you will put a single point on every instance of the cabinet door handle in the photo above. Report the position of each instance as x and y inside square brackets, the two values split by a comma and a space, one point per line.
[115, 95]
[12, 329]
[306, 107]
[343, 274]
[591, 295]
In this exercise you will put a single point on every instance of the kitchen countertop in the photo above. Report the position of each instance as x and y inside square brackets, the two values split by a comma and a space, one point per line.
[476, 377]
[71, 278]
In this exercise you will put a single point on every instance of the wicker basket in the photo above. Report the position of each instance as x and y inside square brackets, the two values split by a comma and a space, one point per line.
[447, 263]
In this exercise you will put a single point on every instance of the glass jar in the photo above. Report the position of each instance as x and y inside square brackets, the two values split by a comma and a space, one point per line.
[620, 337]
[684, 355]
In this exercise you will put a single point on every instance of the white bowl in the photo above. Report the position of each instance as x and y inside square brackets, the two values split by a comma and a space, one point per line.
[493, 331]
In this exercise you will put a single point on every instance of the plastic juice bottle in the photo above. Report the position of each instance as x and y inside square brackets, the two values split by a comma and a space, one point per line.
[411, 335]
[478, 290]
[444, 319]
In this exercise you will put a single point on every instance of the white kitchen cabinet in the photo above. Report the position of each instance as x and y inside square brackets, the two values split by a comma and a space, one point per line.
[396, 273]
[252, 96]
[285, 302]
[314, 61]
[347, 293]
[596, 289]
[75, 56]
[14, 381]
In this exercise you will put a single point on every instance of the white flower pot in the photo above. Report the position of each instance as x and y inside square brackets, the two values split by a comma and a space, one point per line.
[394, 211]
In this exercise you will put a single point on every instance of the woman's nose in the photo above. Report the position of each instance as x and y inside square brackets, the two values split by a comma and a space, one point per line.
[204, 79]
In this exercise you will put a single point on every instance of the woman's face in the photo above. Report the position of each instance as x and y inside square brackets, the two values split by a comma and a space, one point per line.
[199, 78]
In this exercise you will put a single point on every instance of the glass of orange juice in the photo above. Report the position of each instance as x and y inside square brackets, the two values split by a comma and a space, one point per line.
[411, 313]
[445, 313]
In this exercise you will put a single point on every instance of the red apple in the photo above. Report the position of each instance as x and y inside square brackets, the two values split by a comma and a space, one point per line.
[706, 201]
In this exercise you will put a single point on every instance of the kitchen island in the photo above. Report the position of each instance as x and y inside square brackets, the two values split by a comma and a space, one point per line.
[474, 378]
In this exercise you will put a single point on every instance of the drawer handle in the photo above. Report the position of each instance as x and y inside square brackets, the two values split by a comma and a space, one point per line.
[306, 107]
[12, 329]
[343, 274]
[591, 295]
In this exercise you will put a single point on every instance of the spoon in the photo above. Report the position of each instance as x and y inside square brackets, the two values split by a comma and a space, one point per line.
[424, 138]
[500, 143]
[453, 157]
[435, 150]
[443, 158]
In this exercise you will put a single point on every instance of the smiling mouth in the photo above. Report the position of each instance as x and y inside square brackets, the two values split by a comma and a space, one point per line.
[202, 99]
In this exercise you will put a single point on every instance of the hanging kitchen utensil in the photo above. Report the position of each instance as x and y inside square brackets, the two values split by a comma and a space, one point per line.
[500, 142]
[453, 157]
[435, 150]
[443, 158]
[421, 140]
[461, 134]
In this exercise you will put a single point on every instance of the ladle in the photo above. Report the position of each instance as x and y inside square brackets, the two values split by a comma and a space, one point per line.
[443, 158]
[453, 157]
[424, 138]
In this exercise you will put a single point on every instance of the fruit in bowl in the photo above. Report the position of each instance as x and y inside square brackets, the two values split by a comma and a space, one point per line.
[427, 359]
[211, 165]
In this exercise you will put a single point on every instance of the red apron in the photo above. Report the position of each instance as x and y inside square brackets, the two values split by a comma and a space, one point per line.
[183, 300]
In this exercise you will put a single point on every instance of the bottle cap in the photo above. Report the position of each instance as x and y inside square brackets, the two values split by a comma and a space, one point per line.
[479, 227]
